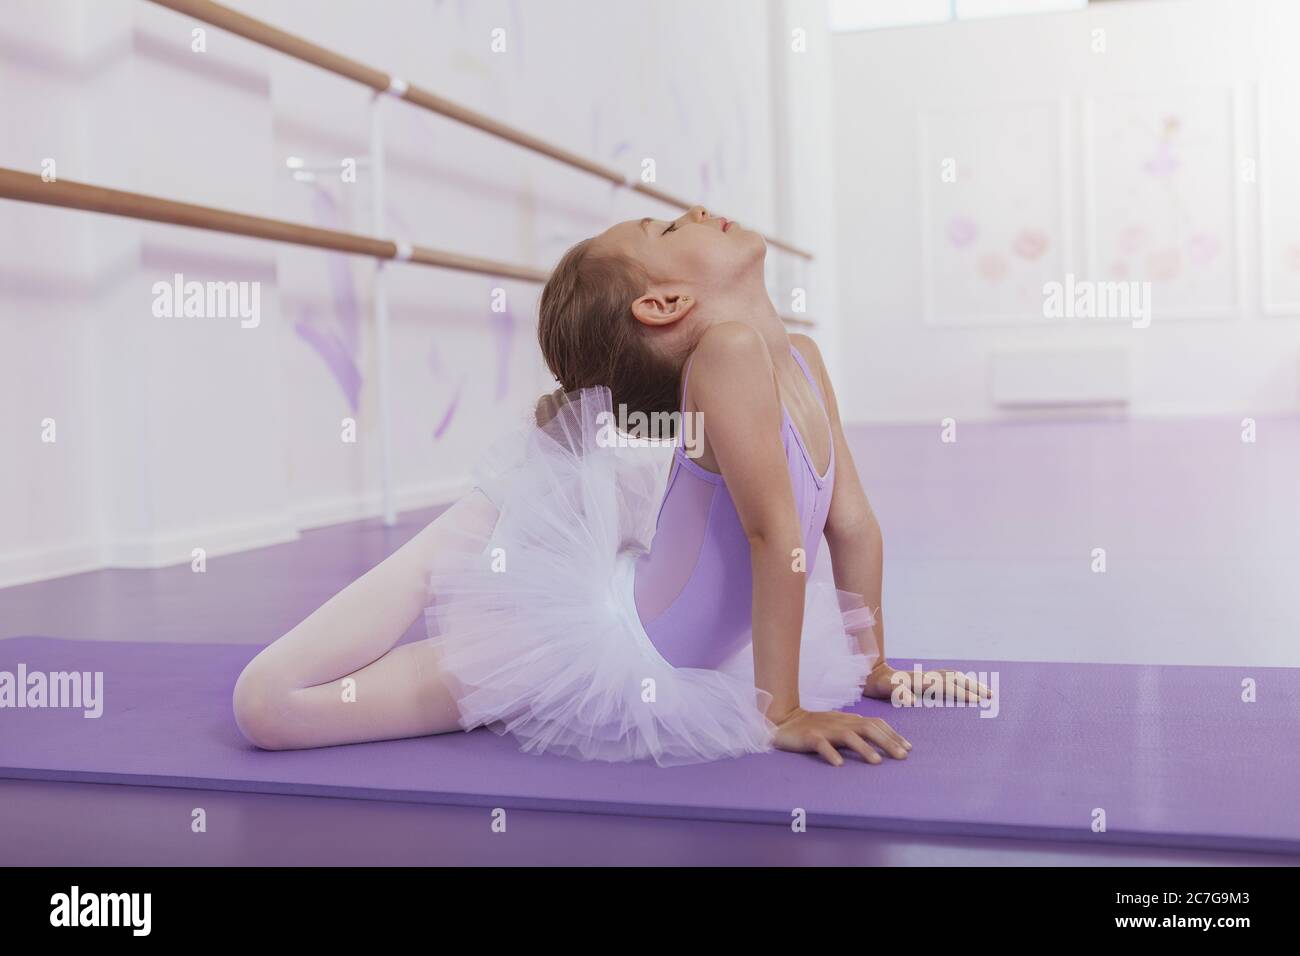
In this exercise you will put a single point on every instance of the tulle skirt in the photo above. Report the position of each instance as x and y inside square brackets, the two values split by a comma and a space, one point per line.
[534, 625]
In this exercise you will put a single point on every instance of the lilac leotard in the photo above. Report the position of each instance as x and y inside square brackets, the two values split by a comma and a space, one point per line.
[694, 588]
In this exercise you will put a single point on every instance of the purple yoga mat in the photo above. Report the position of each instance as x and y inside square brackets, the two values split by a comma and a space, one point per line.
[1171, 754]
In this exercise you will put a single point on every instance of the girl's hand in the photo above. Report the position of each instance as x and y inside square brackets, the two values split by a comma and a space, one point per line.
[803, 731]
[885, 682]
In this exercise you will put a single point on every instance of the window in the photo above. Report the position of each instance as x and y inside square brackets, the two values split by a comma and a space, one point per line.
[848, 15]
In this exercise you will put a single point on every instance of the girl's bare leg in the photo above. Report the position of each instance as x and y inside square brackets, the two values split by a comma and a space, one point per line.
[296, 692]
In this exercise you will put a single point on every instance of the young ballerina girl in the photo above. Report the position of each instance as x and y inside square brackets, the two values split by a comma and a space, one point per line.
[591, 598]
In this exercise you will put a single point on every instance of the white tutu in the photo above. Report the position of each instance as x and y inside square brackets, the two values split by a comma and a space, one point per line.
[534, 622]
[832, 669]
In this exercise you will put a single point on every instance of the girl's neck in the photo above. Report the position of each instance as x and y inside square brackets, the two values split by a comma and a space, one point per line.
[758, 312]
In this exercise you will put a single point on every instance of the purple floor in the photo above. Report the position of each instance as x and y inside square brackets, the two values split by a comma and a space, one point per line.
[988, 546]
[988, 557]
[1170, 754]
[48, 824]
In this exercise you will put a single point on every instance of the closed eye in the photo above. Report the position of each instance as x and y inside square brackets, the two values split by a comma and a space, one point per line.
[668, 230]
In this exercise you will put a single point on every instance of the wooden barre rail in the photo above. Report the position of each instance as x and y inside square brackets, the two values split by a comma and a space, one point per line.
[28, 187]
[289, 44]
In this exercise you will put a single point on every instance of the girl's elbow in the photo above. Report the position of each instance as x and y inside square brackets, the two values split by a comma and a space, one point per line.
[860, 527]
[776, 536]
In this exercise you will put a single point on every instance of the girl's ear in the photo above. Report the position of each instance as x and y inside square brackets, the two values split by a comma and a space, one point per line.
[663, 308]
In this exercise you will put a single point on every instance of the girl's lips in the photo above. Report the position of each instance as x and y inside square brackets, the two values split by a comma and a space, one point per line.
[726, 224]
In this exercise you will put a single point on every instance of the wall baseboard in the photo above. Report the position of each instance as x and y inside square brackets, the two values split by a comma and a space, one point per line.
[176, 547]
[55, 561]
[330, 511]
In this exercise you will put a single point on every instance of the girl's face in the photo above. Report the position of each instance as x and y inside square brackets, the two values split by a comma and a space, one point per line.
[710, 259]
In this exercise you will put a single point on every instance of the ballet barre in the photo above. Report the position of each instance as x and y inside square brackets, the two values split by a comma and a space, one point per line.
[263, 33]
[385, 85]
[29, 187]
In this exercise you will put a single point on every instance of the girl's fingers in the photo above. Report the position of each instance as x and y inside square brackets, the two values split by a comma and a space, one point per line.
[894, 734]
[906, 696]
[829, 753]
[954, 683]
[883, 735]
[974, 689]
[867, 752]
[947, 677]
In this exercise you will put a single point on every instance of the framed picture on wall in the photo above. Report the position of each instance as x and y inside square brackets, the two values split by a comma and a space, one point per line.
[1278, 126]
[1162, 198]
[995, 223]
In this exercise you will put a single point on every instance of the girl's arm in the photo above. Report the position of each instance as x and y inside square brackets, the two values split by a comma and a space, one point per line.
[858, 553]
[852, 533]
[734, 389]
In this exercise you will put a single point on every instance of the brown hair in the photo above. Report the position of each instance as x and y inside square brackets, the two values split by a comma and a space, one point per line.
[590, 338]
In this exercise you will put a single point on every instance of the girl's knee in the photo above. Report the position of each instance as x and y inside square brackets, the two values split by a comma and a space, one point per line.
[257, 702]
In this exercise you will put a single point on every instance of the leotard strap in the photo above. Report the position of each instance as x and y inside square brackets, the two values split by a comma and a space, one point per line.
[812, 379]
[686, 377]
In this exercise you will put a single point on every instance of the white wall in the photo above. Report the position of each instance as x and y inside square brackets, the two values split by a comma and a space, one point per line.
[176, 434]
[804, 199]
[902, 369]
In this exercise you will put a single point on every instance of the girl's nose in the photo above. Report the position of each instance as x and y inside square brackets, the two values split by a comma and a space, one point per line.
[697, 214]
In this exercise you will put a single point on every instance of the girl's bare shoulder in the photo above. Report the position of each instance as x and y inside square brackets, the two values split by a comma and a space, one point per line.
[731, 366]
[734, 344]
[731, 345]
[808, 349]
